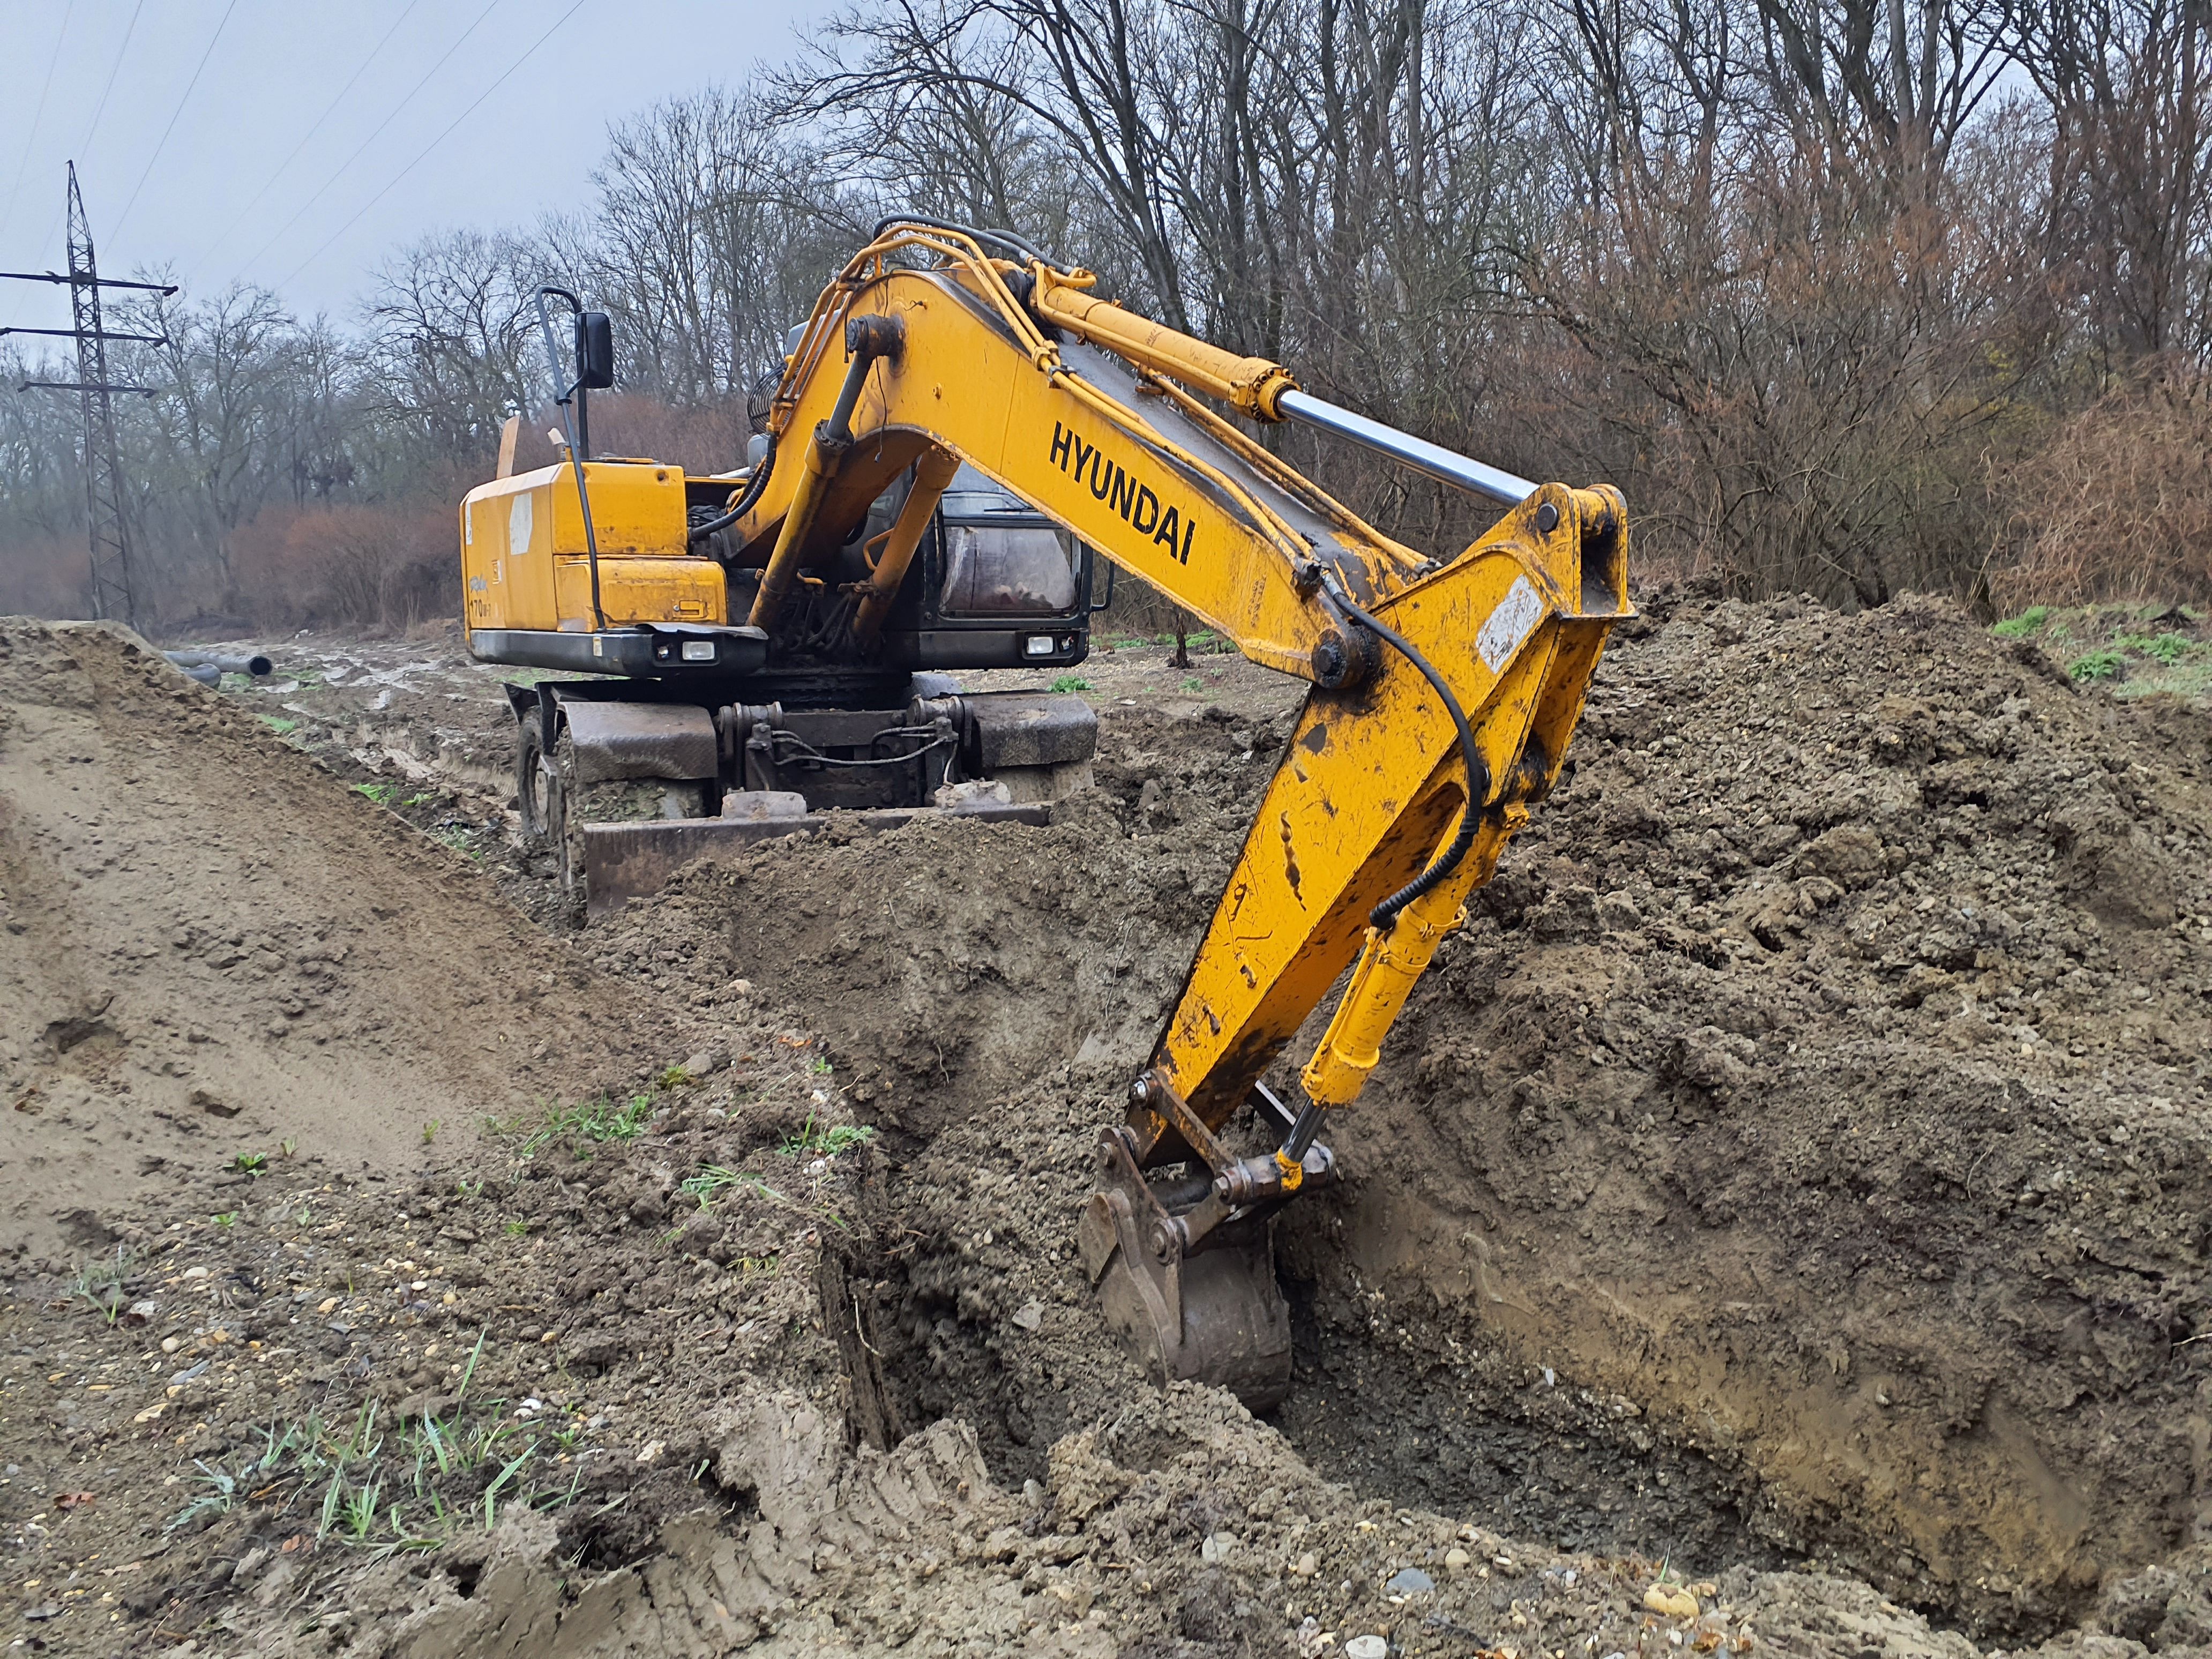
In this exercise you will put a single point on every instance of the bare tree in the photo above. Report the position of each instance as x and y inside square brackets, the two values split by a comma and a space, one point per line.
[221, 422]
[1883, 87]
[711, 237]
[451, 346]
[2127, 83]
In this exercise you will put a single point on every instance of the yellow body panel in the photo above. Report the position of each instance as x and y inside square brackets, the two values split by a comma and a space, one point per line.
[635, 588]
[522, 551]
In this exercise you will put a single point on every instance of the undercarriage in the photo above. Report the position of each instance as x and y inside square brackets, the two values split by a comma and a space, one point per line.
[624, 792]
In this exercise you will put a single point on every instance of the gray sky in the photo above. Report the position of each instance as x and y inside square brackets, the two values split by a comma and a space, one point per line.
[206, 154]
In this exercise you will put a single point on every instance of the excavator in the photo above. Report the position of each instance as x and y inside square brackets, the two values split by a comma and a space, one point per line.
[961, 430]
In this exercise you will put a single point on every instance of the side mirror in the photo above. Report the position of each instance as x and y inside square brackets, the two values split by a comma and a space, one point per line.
[595, 351]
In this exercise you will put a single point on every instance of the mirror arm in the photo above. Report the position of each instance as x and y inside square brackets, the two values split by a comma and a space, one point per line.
[568, 399]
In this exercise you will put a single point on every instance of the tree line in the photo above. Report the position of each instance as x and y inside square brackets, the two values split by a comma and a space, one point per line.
[1849, 296]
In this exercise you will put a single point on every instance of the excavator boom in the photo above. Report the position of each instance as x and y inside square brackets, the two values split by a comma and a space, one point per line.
[1445, 690]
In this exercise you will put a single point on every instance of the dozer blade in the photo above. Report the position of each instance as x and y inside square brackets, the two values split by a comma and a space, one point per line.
[1212, 1314]
[633, 859]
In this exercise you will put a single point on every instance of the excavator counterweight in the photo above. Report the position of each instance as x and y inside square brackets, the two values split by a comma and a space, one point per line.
[960, 428]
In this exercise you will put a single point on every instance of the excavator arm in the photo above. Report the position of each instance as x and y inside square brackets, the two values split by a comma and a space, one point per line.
[1445, 689]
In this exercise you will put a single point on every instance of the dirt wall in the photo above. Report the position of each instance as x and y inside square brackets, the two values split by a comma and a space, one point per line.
[1826, 1074]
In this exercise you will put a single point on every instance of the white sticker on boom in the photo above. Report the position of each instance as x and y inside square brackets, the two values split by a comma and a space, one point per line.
[1501, 636]
[518, 525]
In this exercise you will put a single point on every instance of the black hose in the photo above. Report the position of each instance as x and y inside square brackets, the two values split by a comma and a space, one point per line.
[1385, 914]
[566, 402]
[754, 486]
[1010, 240]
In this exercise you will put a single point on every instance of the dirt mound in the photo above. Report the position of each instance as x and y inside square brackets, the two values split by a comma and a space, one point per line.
[1800, 1149]
[1796, 1161]
[1826, 1074]
[209, 947]
[950, 965]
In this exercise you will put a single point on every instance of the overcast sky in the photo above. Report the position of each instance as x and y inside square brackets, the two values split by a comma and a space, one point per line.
[277, 141]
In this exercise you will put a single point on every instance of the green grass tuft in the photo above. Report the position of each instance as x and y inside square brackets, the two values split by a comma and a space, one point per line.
[714, 1179]
[598, 1120]
[99, 1284]
[360, 1481]
[812, 1141]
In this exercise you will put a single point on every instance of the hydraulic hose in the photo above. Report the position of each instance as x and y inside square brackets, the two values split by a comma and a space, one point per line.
[754, 486]
[867, 347]
[1013, 243]
[1383, 916]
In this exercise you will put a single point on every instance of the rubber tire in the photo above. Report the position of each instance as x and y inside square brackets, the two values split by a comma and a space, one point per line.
[534, 784]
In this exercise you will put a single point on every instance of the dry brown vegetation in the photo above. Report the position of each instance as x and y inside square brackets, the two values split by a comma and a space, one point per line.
[2116, 505]
[1851, 296]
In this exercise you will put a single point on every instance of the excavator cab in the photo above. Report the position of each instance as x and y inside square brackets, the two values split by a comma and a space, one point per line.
[993, 584]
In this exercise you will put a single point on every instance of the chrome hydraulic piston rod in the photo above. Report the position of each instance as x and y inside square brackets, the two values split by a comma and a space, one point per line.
[1416, 453]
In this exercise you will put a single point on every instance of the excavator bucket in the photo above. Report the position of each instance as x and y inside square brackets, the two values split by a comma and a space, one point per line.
[1207, 1310]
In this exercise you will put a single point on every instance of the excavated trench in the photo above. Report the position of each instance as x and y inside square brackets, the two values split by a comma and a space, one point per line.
[1536, 1457]
[930, 1324]
[1800, 1152]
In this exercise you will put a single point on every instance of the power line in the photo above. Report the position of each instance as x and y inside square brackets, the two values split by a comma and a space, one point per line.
[161, 142]
[255, 257]
[223, 235]
[100, 108]
[32, 142]
[434, 143]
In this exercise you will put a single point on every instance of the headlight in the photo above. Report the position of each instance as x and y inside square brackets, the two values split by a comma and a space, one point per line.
[698, 651]
[1037, 645]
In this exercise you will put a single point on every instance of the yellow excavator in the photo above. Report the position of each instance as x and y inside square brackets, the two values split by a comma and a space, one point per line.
[963, 426]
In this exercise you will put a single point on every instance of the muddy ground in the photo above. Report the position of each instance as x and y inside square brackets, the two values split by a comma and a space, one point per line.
[1788, 1193]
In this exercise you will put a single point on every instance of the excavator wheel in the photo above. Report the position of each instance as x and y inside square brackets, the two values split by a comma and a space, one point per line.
[534, 783]
[564, 824]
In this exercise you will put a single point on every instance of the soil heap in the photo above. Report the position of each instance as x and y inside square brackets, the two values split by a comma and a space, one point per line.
[210, 947]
